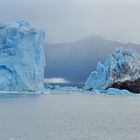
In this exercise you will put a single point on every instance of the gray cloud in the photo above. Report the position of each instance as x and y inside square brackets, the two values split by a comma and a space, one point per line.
[69, 20]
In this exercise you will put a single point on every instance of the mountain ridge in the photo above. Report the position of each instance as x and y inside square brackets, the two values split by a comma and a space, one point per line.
[74, 61]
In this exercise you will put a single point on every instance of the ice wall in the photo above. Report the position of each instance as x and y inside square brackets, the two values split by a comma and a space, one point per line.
[22, 57]
[119, 66]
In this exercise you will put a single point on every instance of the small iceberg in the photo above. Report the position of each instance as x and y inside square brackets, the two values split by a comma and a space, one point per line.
[114, 91]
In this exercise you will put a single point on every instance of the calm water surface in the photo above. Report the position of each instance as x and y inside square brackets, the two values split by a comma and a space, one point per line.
[70, 117]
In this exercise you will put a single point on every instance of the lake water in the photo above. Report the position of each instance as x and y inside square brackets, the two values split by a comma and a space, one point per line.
[70, 117]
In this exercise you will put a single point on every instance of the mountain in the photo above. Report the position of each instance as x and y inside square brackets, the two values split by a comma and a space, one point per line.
[75, 61]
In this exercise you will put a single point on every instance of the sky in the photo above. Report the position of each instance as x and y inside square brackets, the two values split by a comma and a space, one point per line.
[70, 20]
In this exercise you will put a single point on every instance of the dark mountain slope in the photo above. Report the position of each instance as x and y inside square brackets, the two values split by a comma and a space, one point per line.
[75, 61]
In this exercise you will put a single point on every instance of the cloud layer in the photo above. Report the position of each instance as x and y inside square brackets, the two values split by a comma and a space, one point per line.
[69, 20]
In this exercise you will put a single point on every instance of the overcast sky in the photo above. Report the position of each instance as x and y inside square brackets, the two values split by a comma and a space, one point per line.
[70, 20]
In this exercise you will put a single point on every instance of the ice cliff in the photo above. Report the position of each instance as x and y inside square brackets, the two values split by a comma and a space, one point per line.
[120, 66]
[22, 57]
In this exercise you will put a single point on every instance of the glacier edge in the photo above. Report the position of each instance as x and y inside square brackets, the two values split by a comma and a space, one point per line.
[22, 57]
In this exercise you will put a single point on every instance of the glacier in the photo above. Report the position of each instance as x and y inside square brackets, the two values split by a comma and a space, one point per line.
[121, 65]
[22, 58]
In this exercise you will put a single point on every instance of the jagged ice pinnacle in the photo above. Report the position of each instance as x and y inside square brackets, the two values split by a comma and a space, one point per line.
[120, 66]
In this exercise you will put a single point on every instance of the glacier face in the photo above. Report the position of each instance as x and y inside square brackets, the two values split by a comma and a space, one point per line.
[22, 58]
[120, 66]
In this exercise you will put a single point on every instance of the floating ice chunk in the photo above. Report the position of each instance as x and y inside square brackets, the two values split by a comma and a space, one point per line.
[113, 91]
[62, 90]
